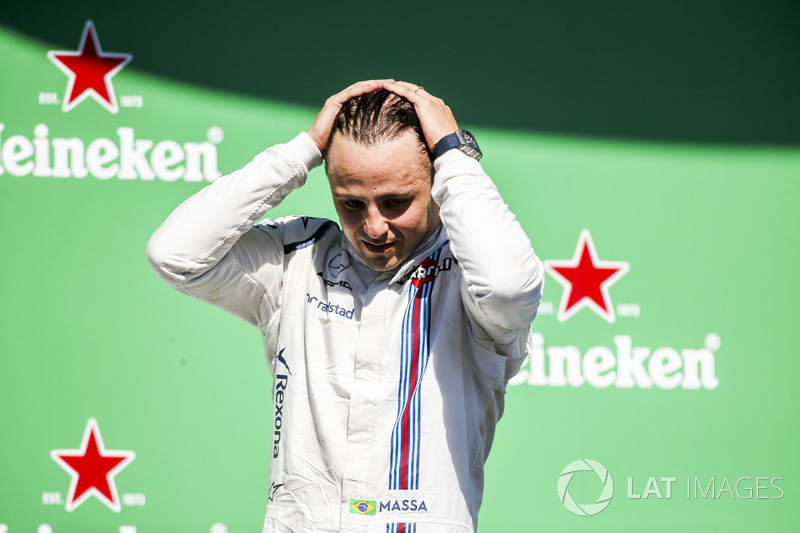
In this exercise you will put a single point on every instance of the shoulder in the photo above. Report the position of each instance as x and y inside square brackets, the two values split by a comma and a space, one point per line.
[297, 232]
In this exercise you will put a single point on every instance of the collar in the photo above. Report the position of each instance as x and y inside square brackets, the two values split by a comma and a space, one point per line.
[426, 248]
[436, 240]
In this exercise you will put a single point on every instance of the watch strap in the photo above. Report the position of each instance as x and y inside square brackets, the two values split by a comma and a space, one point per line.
[445, 144]
[461, 139]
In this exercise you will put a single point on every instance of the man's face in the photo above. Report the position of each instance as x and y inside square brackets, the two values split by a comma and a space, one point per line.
[382, 194]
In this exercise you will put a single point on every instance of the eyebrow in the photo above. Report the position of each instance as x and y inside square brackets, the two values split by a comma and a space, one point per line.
[389, 196]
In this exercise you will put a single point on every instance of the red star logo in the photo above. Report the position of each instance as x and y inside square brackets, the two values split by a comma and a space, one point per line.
[586, 280]
[90, 71]
[93, 468]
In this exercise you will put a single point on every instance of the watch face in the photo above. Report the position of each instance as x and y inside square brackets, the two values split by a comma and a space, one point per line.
[466, 137]
[468, 144]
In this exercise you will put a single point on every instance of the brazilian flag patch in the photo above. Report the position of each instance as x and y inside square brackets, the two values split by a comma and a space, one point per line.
[362, 506]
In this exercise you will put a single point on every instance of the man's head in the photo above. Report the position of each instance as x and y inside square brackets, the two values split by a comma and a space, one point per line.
[380, 173]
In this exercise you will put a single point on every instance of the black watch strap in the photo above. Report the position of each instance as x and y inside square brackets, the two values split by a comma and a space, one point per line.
[461, 139]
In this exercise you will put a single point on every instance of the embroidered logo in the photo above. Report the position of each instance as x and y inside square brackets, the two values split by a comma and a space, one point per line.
[428, 270]
[366, 507]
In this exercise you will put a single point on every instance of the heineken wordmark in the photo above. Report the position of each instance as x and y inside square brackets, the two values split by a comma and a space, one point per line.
[125, 158]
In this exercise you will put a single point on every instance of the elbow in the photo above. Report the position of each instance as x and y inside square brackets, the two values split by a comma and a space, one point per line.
[156, 252]
[515, 299]
[163, 261]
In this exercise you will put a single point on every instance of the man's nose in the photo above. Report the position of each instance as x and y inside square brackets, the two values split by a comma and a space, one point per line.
[375, 223]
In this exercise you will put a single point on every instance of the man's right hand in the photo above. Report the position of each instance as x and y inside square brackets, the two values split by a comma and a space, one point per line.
[321, 129]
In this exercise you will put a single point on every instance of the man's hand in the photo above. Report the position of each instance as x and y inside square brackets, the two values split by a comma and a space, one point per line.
[321, 129]
[434, 115]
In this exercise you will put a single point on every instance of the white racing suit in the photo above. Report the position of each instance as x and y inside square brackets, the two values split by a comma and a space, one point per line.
[387, 386]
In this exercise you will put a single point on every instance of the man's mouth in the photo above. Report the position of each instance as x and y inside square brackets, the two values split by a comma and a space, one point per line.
[378, 248]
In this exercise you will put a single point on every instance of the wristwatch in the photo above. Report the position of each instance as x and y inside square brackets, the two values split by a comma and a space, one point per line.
[461, 139]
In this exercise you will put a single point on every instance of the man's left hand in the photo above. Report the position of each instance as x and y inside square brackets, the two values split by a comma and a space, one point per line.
[435, 116]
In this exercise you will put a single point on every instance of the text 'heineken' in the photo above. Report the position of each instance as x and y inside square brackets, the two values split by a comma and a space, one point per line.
[125, 158]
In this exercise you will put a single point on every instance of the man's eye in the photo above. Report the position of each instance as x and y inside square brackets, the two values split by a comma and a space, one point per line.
[397, 202]
[353, 205]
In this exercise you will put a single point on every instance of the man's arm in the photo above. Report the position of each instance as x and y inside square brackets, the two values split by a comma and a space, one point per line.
[503, 277]
[201, 249]
[206, 247]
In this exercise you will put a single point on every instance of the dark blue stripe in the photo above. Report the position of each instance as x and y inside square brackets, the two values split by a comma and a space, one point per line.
[394, 527]
[409, 401]
[289, 248]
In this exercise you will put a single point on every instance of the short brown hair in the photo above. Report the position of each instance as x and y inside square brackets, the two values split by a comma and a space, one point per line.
[378, 117]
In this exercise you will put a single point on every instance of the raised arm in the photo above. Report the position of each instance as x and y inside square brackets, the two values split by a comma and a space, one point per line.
[503, 277]
[206, 248]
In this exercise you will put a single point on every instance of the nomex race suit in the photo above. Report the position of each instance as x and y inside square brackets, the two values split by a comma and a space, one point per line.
[387, 386]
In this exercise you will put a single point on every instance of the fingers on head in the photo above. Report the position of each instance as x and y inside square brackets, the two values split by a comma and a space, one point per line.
[404, 85]
[360, 88]
[411, 90]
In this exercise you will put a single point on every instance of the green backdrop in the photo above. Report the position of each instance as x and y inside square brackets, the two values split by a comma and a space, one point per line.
[679, 381]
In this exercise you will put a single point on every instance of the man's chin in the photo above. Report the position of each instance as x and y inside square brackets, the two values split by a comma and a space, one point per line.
[380, 264]
[378, 261]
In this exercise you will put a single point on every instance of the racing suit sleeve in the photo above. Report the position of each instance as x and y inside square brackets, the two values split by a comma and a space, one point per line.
[502, 277]
[205, 247]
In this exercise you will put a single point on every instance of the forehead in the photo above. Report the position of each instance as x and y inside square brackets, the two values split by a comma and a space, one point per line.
[384, 168]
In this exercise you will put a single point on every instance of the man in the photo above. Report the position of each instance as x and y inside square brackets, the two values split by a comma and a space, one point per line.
[390, 341]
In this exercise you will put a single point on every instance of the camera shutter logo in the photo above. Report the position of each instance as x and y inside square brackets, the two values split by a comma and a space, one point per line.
[585, 509]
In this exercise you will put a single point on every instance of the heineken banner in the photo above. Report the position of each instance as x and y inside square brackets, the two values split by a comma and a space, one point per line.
[652, 158]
